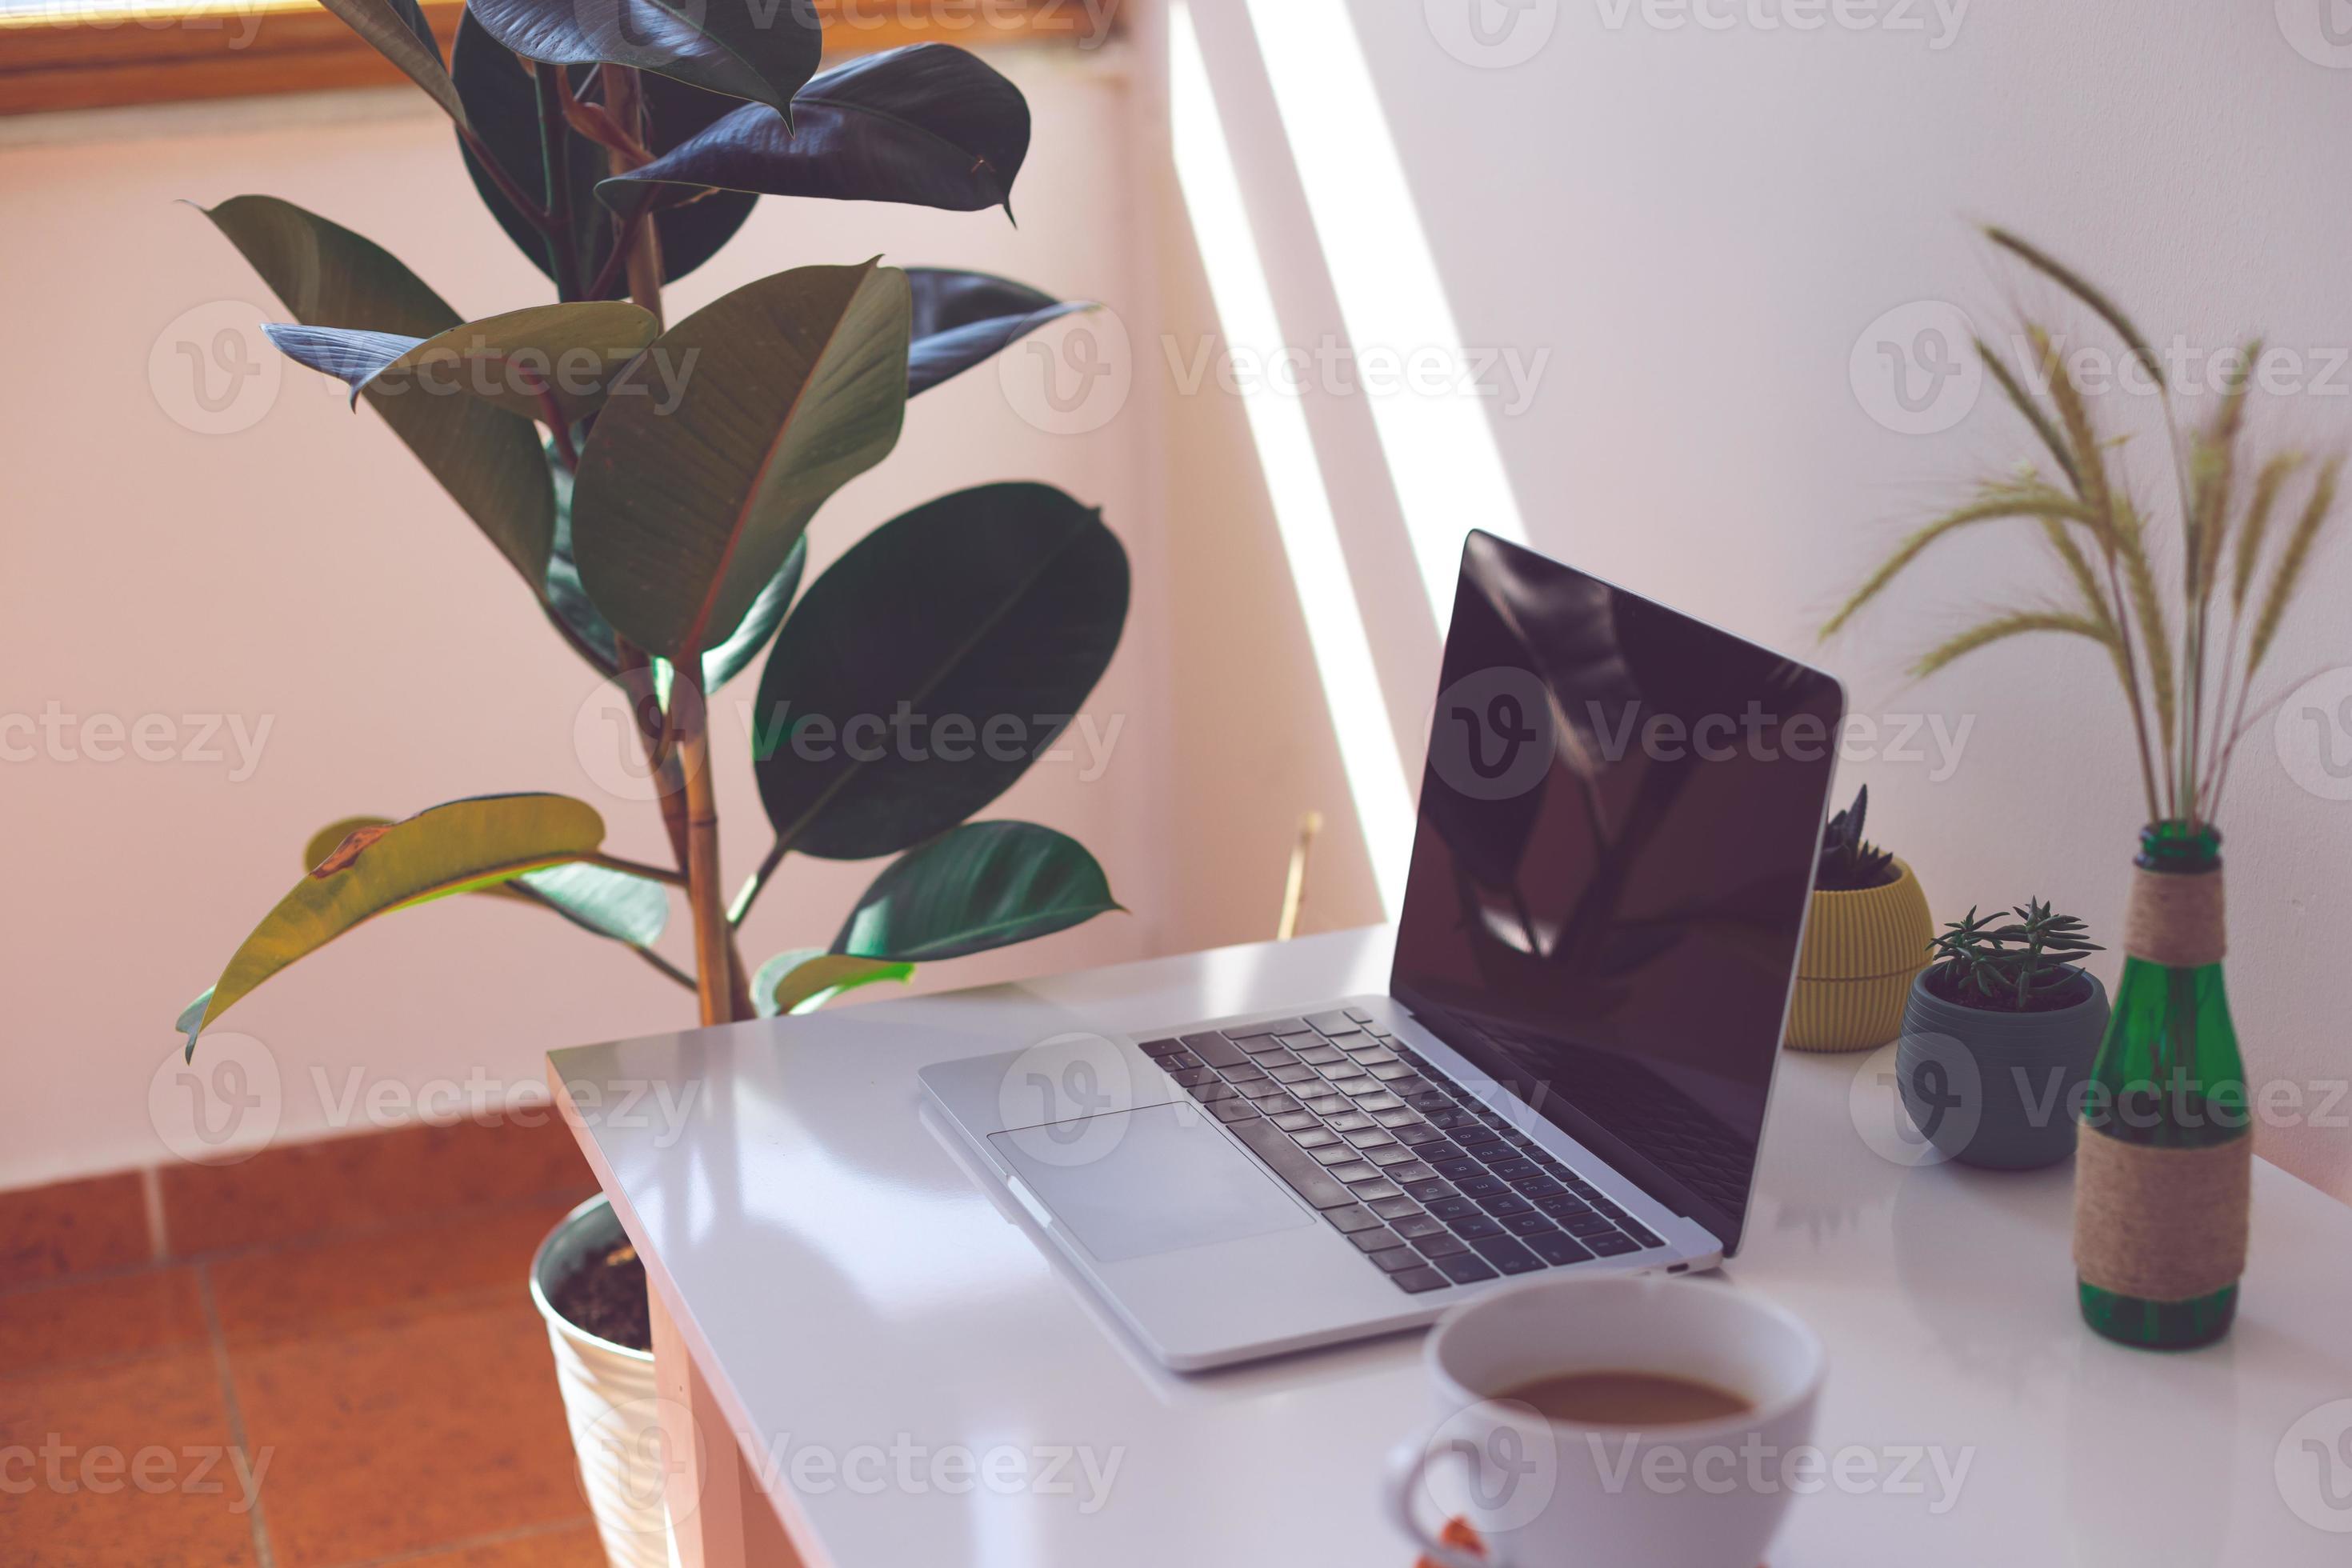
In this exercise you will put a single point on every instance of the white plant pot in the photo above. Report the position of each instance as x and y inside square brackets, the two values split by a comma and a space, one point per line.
[609, 1402]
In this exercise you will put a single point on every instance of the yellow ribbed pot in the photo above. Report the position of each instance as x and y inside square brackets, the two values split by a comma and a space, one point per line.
[1855, 974]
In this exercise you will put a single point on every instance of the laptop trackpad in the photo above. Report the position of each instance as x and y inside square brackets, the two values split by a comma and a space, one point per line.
[1128, 1184]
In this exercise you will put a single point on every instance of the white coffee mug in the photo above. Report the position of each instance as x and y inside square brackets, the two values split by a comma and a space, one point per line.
[1556, 1494]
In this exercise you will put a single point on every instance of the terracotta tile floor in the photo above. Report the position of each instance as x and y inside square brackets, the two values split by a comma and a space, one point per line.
[377, 1393]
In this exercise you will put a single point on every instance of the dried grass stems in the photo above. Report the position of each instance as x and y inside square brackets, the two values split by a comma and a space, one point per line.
[2187, 674]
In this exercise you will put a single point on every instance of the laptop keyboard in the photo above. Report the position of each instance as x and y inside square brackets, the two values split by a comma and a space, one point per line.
[1433, 1188]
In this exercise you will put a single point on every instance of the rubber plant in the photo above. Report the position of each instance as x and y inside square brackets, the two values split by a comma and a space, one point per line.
[652, 484]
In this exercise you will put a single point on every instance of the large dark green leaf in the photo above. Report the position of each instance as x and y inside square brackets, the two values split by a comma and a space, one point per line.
[549, 363]
[453, 848]
[930, 125]
[794, 385]
[731, 657]
[399, 32]
[346, 353]
[567, 598]
[764, 50]
[963, 318]
[987, 884]
[500, 95]
[1004, 601]
[630, 910]
[329, 276]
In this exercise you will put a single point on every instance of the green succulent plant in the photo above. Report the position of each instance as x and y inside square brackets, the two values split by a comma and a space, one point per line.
[654, 483]
[1849, 863]
[2018, 968]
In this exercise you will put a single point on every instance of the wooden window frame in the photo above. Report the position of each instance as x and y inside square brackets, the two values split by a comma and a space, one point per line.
[96, 54]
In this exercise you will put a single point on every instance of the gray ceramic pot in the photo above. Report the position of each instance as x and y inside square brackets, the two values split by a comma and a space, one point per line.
[2000, 1089]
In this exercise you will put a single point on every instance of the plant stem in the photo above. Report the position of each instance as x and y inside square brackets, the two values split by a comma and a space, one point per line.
[555, 177]
[744, 900]
[689, 800]
[738, 979]
[558, 433]
[664, 745]
[2221, 720]
[662, 874]
[624, 101]
[713, 964]
[2247, 721]
[664, 965]
[530, 210]
[2131, 687]
[610, 272]
[636, 675]
[597, 122]
[2183, 767]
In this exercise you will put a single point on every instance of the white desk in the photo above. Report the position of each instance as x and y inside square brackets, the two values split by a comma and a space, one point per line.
[840, 1284]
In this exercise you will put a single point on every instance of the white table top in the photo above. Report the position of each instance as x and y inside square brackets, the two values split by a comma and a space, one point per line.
[850, 1292]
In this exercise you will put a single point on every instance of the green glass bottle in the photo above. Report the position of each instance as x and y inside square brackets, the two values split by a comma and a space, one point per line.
[2169, 1076]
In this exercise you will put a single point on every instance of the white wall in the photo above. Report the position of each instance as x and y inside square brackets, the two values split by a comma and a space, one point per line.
[1699, 224]
[307, 572]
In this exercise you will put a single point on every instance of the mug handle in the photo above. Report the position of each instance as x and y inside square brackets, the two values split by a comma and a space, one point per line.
[1407, 1465]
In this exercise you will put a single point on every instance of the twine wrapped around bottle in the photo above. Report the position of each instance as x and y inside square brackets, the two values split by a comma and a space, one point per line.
[2175, 919]
[2157, 1223]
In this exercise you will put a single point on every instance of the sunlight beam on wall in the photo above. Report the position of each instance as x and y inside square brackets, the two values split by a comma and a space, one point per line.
[1440, 447]
[1302, 505]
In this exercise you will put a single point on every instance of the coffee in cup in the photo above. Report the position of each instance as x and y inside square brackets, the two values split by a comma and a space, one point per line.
[1617, 1421]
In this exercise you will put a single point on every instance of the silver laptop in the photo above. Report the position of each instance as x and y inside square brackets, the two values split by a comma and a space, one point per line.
[1617, 830]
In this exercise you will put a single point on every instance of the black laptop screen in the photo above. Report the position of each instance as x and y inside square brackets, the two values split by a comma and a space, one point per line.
[1617, 829]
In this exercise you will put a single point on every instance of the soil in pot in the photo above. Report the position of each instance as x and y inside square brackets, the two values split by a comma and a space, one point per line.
[606, 1296]
[2073, 993]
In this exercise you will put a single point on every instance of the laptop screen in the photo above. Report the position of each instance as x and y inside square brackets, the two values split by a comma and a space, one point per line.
[1619, 818]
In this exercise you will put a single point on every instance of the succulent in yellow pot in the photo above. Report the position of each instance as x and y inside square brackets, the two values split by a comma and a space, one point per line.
[1867, 935]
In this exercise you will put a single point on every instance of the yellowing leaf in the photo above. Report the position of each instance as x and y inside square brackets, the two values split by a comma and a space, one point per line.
[804, 979]
[451, 848]
[330, 838]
